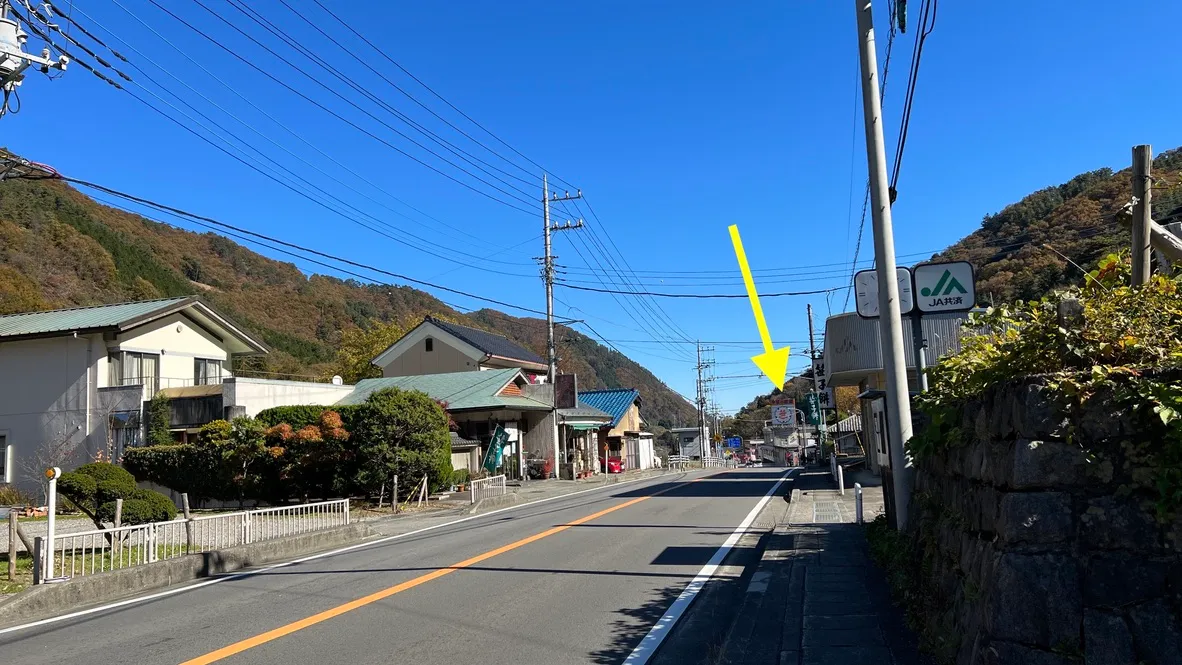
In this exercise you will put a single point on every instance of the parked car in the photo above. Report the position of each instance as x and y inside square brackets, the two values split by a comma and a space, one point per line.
[614, 464]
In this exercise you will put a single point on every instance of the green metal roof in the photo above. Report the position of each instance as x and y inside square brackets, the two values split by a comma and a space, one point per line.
[30, 324]
[463, 391]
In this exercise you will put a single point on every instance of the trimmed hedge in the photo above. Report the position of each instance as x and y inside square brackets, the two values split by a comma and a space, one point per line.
[302, 416]
[95, 487]
[182, 467]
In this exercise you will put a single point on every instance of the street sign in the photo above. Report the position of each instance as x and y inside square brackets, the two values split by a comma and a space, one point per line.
[784, 414]
[734, 442]
[819, 372]
[945, 287]
[866, 290]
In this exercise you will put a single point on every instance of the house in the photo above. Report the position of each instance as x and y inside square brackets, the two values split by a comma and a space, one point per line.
[440, 347]
[478, 402]
[579, 429]
[689, 441]
[622, 437]
[847, 435]
[73, 382]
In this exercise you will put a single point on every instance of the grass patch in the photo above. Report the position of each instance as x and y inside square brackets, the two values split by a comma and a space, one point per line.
[24, 573]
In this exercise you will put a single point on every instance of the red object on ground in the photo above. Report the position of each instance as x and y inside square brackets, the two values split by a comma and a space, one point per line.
[614, 464]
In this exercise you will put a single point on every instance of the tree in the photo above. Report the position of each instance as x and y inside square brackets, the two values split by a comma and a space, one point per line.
[405, 433]
[95, 487]
[159, 419]
[359, 346]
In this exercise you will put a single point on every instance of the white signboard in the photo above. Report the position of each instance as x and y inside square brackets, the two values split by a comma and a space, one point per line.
[866, 292]
[945, 287]
[828, 399]
[784, 414]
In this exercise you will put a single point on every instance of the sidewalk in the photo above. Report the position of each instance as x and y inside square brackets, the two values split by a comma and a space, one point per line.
[816, 597]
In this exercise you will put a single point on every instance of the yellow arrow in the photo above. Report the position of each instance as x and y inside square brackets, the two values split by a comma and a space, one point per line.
[772, 362]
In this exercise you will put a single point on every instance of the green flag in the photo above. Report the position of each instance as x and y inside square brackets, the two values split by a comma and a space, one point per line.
[496, 449]
[812, 409]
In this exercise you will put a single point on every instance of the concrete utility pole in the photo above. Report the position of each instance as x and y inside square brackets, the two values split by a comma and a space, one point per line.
[705, 448]
[898, 405]
[1142, 211]
[548, 278]
[816, 384]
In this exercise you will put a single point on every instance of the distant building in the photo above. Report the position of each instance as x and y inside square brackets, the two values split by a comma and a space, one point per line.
[689, 440]
[439, 347]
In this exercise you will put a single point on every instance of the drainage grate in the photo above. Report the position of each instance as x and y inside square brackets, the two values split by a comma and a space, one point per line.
[826, 513]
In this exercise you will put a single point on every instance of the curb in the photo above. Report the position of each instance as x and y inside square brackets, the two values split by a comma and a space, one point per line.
[490, 503]
[49, 599]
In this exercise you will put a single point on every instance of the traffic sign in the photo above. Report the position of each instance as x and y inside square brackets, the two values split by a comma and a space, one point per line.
[866, 290]
[945, 287]
[734, 442]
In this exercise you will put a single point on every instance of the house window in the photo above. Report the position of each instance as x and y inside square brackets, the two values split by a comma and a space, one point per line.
[129, 369]
[124, 431]
[206, 372]
[4, 459]
[430, 345]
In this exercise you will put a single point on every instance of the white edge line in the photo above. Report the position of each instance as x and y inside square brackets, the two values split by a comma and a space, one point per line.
[661, 629]
[321, 555]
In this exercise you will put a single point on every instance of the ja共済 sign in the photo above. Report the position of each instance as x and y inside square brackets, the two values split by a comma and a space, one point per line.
[944, 287]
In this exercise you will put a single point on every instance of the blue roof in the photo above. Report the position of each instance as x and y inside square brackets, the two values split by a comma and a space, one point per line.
[614, 403]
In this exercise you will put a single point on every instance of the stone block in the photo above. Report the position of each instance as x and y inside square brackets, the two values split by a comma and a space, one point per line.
[1047, 464]
[1037, 415]
[1039, 518]
[1157, 633]
[1104, 420]
[1107, 640]
[1112, 523]
[1007, 653]
[1001, 422]
[1035, 599]
[1117, 580]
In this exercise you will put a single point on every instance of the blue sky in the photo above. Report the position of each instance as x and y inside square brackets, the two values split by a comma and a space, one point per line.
[675, 120]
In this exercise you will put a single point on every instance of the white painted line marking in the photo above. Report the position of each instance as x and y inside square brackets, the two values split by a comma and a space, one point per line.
[265, 569]
[661, 629]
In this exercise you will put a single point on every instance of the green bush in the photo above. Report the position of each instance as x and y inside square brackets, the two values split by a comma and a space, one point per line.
[302, 416]
[159, 419]
[95, 487]
[460, 477]
[405, 433]
[188, 468]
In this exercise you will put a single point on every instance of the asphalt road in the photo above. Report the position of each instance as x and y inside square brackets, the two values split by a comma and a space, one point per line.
[580, 579]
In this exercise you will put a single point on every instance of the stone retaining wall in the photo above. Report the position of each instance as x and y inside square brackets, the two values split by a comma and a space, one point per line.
[1038, 551]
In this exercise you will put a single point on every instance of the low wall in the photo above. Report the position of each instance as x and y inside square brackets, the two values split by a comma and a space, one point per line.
[1039, 551]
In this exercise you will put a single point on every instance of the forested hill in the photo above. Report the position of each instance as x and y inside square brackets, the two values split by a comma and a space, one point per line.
[1022, 252]
[59, 248]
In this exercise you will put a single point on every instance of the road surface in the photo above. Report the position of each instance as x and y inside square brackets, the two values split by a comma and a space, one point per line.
[581, 579]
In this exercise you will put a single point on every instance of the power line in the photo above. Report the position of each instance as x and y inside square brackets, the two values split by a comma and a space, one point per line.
[656, 294]
[927, 23]
[284, 243]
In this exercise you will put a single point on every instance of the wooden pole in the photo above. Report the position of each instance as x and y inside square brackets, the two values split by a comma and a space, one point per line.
[116, 540]
[1142, 212]
[188, 522]
[12, 546]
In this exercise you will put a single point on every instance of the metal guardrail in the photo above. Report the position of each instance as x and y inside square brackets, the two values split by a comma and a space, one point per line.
[99, 550]
[486, 487]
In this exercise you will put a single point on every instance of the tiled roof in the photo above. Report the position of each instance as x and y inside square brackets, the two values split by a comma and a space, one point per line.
[463, 391]
[584, 411]
[490, 343]
[614, 403]
[851, 424]
[81, 318]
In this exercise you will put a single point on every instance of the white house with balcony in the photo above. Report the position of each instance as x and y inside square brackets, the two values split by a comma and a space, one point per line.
[73, 382]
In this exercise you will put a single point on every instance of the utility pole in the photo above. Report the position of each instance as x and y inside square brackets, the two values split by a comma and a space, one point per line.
[703, 436]
[1142, 211]
[816, 384]
[548, 278]
[898, 405]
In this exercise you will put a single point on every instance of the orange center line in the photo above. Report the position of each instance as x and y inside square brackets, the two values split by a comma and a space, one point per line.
[276, 633]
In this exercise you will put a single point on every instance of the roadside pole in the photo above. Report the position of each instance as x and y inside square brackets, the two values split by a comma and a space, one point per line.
[898, 406]
[821, 433]
[548, 278]
[52, 473]
[1142, 212]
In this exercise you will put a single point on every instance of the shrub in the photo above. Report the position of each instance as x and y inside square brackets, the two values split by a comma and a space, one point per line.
[405, 433]
[159, 419]
[95, 487]
[10, 495]
[193, 469]
[460, 477]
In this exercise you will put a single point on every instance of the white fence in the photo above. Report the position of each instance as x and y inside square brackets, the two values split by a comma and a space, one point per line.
[486, 487]
[679, 461]
[711, 461]
[89, 552]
